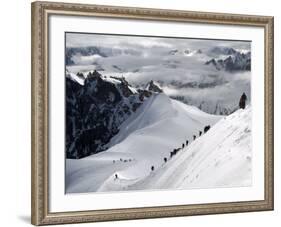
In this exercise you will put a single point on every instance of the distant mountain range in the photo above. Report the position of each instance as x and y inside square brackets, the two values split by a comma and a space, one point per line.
[71, 52]
[222, 51]
[235, 61]
[224, 58]
[181, 71]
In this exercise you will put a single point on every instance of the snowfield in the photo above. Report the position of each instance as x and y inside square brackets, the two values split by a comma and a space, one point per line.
[219, 158]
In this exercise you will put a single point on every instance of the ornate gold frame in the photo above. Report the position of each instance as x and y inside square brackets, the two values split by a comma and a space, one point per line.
[40, 191]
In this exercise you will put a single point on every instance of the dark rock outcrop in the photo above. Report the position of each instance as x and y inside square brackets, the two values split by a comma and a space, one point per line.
[237, 62]
[95, 110]
[151, 86]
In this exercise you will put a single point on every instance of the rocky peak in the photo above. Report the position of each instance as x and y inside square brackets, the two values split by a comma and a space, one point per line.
[151, 86]
[235, 62]
[212, 61]
[95, 75]
[222, 50]
[95, 110]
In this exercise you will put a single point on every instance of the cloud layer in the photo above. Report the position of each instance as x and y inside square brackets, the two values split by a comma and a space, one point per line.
[177, 64]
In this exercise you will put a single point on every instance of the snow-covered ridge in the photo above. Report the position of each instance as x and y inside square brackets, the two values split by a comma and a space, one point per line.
[148, 136]
[220, 158]
[96, 106]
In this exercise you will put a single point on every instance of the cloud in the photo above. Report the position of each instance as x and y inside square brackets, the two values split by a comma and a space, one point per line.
[122, 41]
[141, 59]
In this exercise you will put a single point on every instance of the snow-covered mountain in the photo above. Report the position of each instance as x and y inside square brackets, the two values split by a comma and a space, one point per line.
[219, 158]
[221, 50]
[156, 113]
[145, 138]
[185, 52]
[76, 55]
[233, 62]
[151, 86]
[95, 108]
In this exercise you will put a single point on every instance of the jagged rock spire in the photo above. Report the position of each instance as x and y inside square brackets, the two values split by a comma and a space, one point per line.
[151, 86]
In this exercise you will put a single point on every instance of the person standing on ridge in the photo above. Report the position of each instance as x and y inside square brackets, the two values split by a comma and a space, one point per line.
[242, 102]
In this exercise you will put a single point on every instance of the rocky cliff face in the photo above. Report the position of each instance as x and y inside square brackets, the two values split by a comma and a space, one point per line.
[95, 110]
[235, 62]
[151, 86]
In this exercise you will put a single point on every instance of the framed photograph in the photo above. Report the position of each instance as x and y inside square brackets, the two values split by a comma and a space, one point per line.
[148, 113]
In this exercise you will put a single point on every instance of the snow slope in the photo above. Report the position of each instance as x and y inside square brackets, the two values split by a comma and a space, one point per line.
[219, 158]
[145, 138]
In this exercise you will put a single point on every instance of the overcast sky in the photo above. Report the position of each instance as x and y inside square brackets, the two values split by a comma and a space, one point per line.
[136, 42]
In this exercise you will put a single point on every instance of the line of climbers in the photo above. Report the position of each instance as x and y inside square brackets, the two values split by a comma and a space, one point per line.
[172, 153]
[242, 105]
[176, 150]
